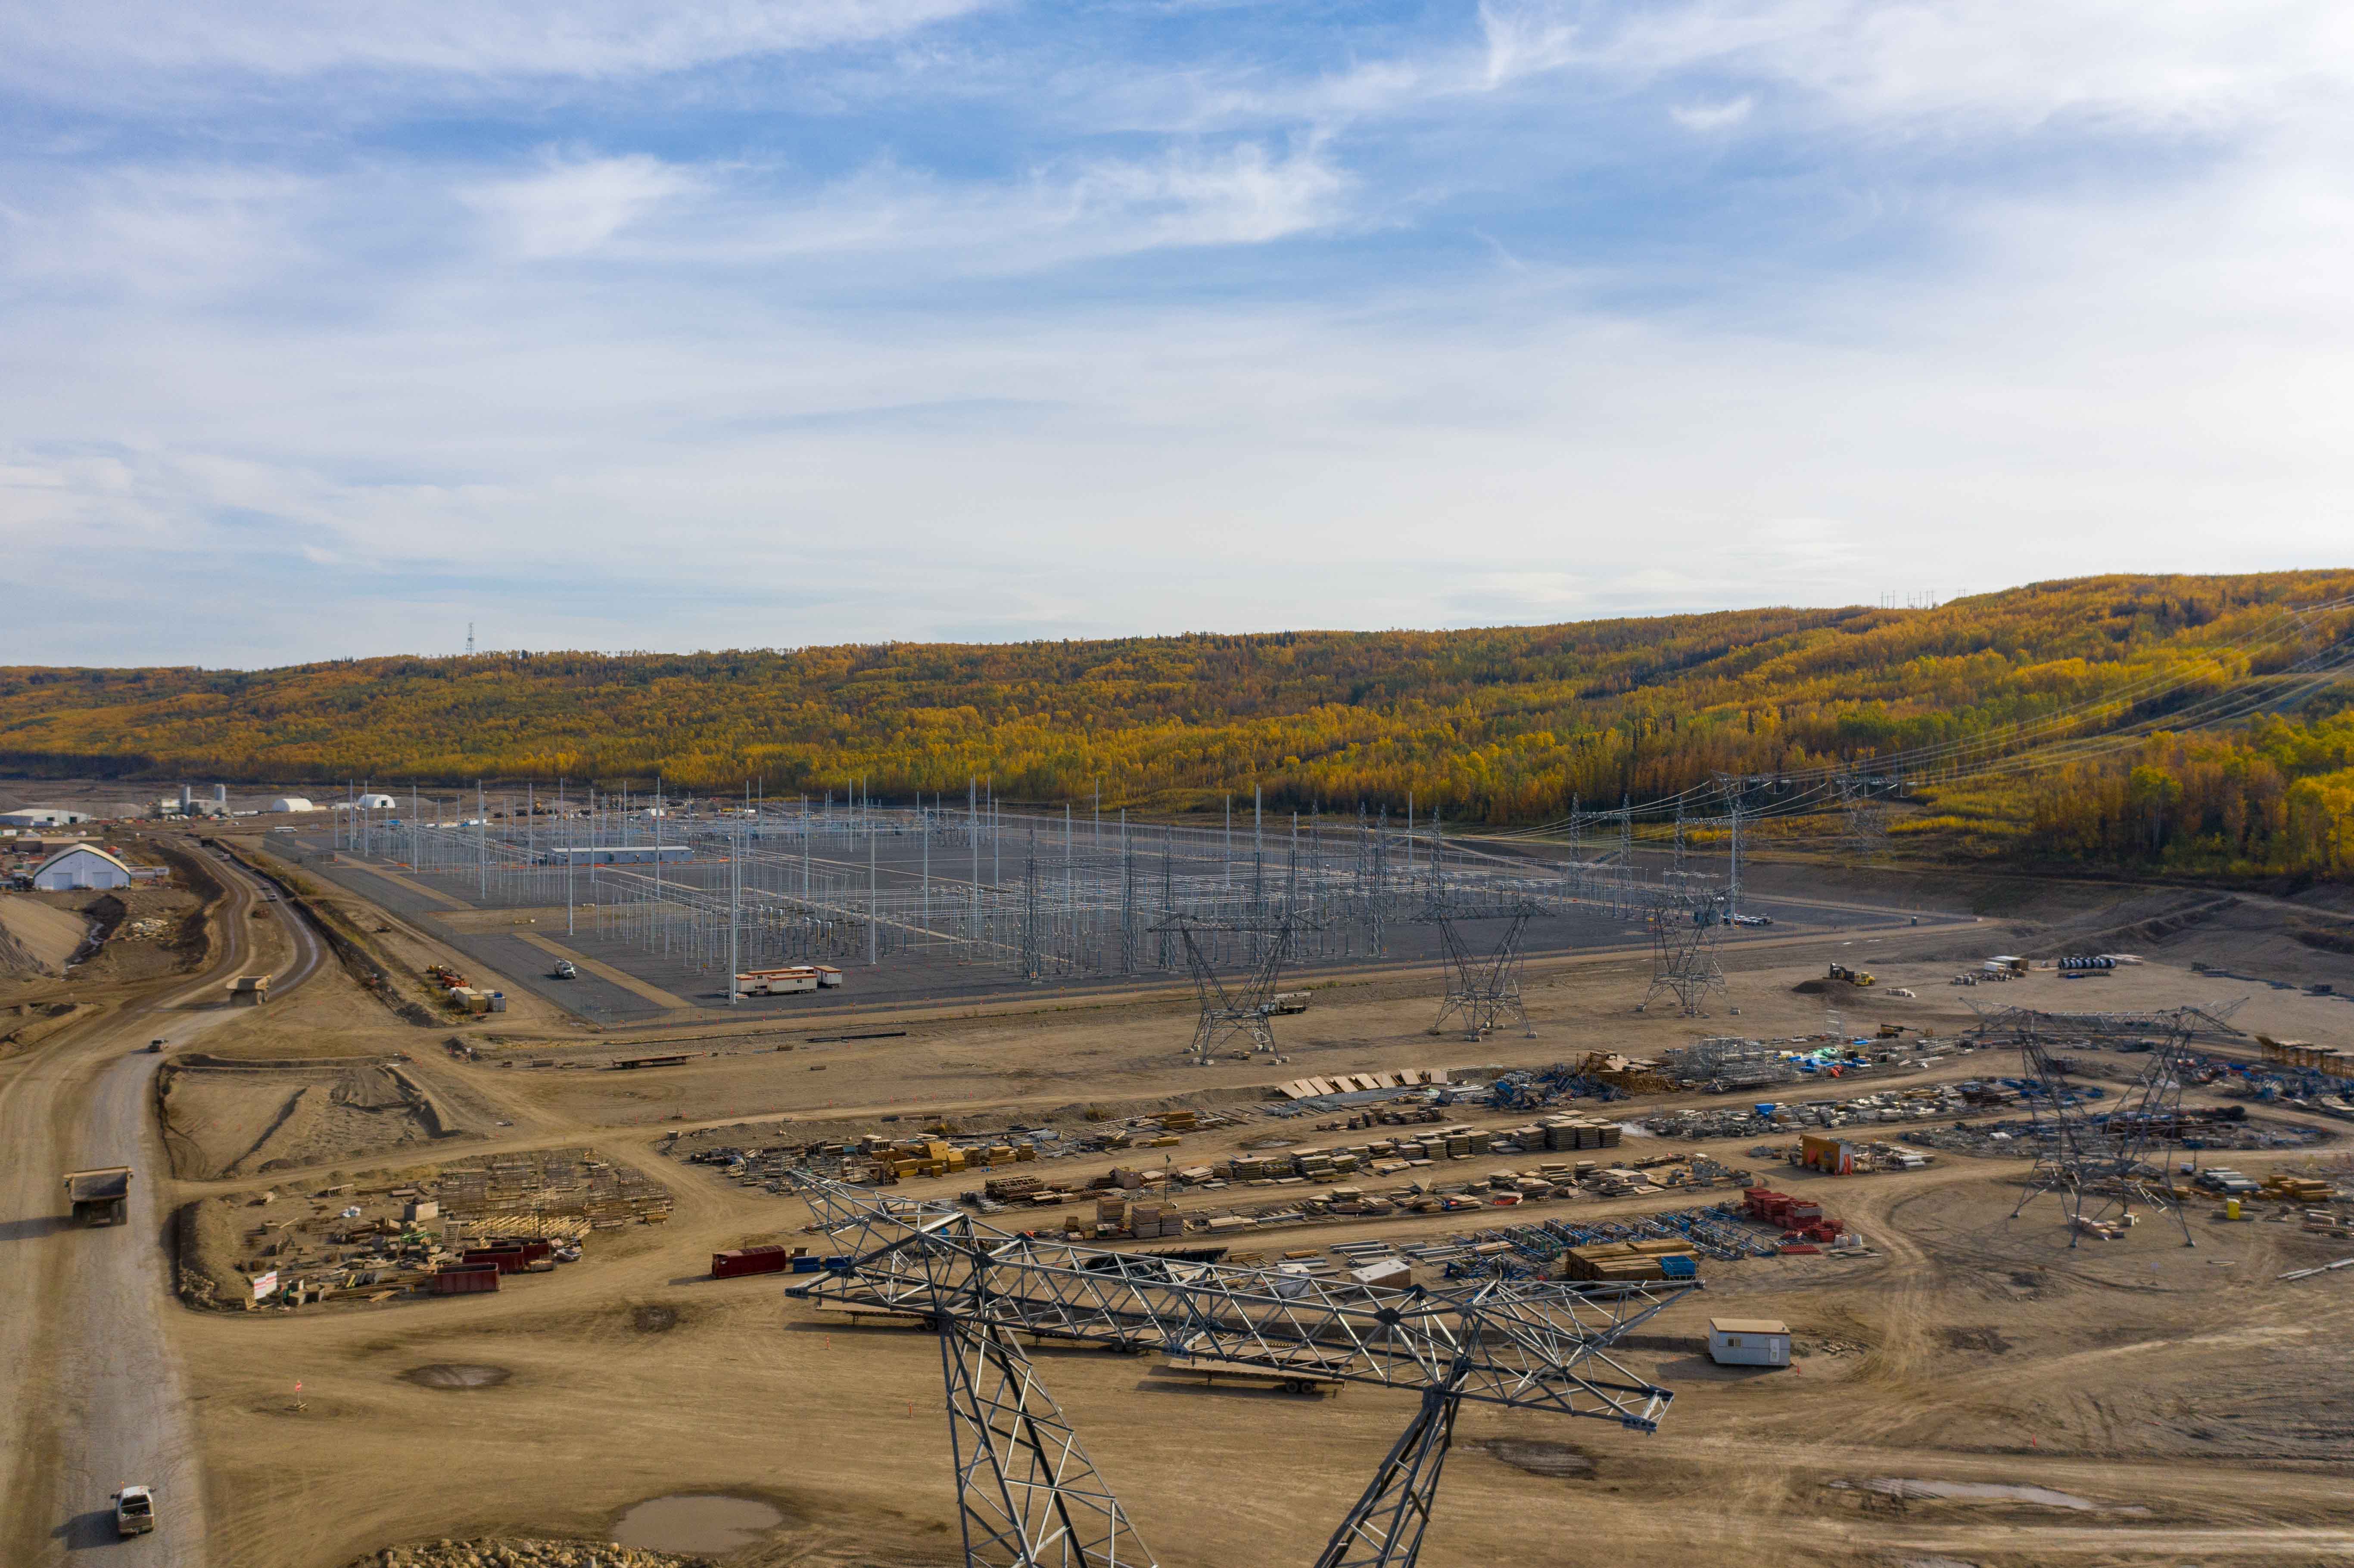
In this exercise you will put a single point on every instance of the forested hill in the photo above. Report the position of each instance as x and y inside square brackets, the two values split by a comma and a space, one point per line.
[1499, 725]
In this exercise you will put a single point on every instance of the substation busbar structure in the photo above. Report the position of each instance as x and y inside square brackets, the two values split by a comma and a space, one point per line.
[722, 886]
[1027, 1494]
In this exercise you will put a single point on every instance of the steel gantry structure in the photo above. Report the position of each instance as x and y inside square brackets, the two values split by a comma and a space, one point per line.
[1028, 1495]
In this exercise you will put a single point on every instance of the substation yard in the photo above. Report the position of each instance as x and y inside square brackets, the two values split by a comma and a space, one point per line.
[1968, 1389]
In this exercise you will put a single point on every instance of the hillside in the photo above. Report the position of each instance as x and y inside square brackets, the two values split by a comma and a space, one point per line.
[1501, 725]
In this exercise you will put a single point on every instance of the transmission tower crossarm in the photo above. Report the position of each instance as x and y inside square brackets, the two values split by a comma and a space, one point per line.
[1532, 1344]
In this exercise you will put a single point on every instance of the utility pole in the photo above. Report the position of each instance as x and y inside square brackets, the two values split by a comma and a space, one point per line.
[734, 914]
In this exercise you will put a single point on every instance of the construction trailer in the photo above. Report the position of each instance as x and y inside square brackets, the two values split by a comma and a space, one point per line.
[787, 980]
[99, 1197]
[1748, 1343]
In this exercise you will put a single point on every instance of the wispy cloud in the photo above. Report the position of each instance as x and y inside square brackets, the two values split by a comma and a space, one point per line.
[597, 38]
[570, 206]
[1704, 117]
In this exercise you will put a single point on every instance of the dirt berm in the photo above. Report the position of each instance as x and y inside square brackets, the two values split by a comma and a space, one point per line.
[225, 1118]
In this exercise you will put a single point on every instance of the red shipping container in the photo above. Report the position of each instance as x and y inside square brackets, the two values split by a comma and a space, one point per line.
[465, 1281]
[506, 1260]
[740, 1261]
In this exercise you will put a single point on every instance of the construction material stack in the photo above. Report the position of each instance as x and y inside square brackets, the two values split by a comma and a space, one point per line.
[1622, 1262]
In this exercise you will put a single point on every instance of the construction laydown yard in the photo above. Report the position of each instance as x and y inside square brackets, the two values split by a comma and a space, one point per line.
[446, 1282]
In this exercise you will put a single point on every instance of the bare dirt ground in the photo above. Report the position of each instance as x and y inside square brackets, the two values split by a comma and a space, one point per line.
[238, 1119]
[36, 928]
[1973, 1391]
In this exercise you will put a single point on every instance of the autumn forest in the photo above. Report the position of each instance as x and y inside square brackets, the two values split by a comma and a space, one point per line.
[2190, 724]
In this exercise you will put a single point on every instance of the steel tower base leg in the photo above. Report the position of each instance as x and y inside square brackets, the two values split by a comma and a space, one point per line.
[1384, 1529]
[1029, 1496]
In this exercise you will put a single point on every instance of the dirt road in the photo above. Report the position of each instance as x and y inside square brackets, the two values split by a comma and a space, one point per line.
[91, 1397]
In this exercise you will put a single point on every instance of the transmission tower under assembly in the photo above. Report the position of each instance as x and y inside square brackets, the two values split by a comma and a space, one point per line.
[1684, 962]
[1026, 1492]
[2098, 1164]
[1483, 989]
[1864, 820]
[1245, 1007]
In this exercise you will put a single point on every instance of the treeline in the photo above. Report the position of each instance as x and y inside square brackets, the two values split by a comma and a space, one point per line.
[1500, 725]
[2275, 798]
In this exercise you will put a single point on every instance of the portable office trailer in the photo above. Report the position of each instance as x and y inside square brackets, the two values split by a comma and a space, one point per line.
[1748, 1343]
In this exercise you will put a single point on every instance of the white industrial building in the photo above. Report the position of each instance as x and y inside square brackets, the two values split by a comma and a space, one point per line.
[1748, 1343]
[41, 817]
[290, 803]
[368, 803]
[83, 865]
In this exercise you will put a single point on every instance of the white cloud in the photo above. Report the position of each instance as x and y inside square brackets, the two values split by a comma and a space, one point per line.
[571, 206]
[2181, 62]
[1703, 117]
[522, 38]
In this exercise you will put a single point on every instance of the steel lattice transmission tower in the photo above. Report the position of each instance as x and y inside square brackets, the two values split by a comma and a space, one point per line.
[1684, 962]
[1243, 1008]
[1027, 1495]
[1864, 820]
[1483, 989]
[2098, 1164]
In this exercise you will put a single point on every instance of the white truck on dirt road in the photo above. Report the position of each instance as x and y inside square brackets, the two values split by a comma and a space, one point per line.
[134, 1511]
[99, 1197]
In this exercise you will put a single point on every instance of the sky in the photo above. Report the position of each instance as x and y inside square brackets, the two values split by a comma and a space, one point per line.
[326, 330]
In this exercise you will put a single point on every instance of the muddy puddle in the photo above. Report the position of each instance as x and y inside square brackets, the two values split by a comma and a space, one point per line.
[1542, 1458]
[457, 1374]
[1983, 1491]
[696, 1523]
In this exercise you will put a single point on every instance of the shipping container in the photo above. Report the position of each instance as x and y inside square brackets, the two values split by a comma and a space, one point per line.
[466, 1281]
[737, 1262]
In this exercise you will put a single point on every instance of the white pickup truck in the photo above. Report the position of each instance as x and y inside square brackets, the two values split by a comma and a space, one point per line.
[134, 1511]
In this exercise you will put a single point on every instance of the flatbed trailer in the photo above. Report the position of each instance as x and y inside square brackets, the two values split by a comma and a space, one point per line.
[1292, 1379]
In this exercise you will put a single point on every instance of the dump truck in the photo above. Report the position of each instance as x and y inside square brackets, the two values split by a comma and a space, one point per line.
[250, 988]
[1852, 977]
[99, 1197]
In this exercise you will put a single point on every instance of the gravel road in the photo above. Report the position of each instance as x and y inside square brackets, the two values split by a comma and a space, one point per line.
[91, 1397]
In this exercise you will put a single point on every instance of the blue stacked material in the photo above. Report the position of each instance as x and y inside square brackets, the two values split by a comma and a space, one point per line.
[1534, 1089]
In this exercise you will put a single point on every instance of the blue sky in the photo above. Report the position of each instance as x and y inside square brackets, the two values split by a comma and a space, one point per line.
[325, 329]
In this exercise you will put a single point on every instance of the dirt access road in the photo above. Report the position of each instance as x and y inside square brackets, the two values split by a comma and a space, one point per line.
[91, 1395]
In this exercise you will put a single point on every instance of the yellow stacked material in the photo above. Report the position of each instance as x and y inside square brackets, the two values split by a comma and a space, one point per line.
[1619, 1260]
[1166, 1140]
